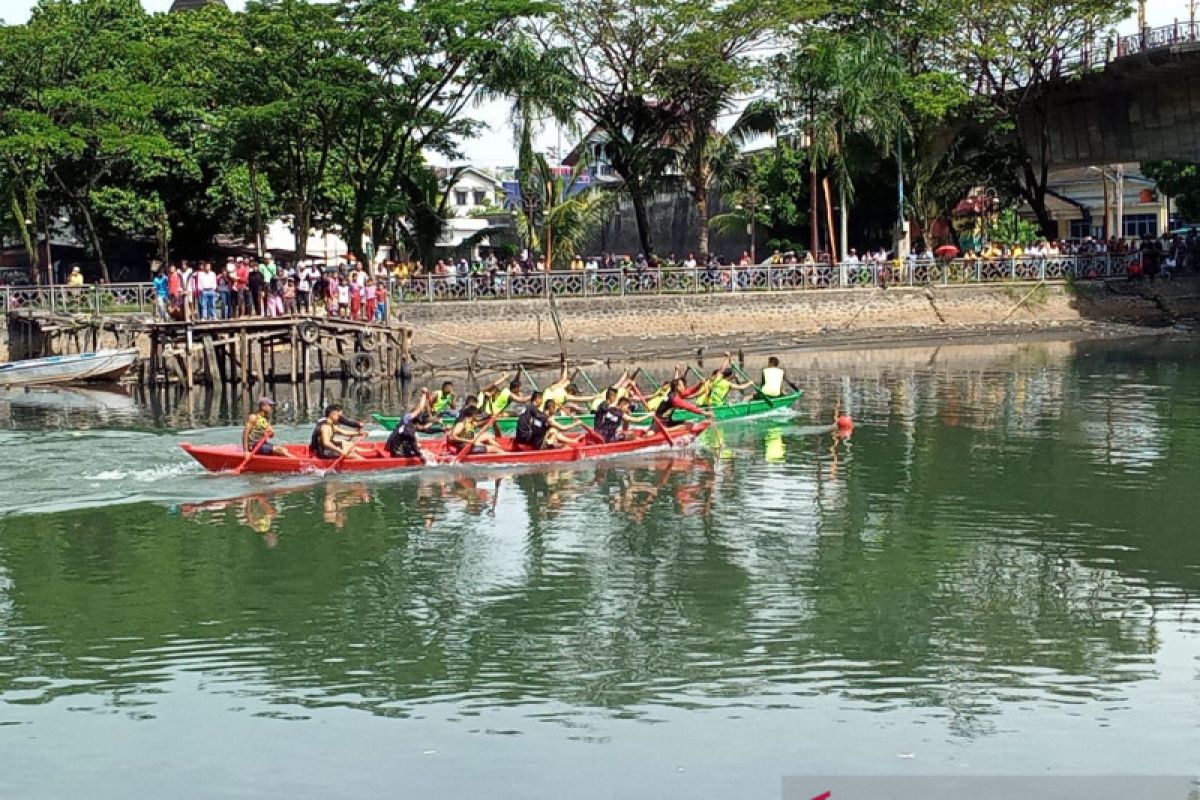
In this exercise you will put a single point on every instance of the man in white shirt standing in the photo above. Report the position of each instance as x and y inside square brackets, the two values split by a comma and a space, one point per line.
[206, 285]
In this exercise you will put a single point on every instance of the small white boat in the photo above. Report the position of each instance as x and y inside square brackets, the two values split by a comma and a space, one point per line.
[102, 365]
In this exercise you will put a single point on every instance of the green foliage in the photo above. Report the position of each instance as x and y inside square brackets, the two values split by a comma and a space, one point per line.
[561, 216]
[1011, 229]
[1181, 182]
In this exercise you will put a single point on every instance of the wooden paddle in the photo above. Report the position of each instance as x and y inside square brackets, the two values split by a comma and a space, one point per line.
[253, 452]
[529, 378]
[468, 448]
[637, 393]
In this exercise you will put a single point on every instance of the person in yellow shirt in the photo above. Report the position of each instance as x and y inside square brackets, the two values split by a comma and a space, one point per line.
[76, 277]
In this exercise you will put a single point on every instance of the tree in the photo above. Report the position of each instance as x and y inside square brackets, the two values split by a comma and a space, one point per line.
[568, 213]
[615, 50]
[423, 64]
[1010, 52]
[1179, 181]
[81, 81]
[842, 85]
[707, 73]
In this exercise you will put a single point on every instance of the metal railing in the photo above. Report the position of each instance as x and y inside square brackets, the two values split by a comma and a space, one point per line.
[1105, 49]
[112, 298]
[760, 278]
[139, 297]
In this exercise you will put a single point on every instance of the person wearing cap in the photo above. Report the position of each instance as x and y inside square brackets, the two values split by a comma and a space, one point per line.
[76, 277]
[257, 433]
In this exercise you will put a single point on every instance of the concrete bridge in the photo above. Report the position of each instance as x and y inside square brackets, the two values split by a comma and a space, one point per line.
[1133, 99]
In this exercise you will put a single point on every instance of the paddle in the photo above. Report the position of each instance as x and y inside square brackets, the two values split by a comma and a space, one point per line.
[253, 452]
[588, 378]
[637, 393]
[468, 448]
[529, 378]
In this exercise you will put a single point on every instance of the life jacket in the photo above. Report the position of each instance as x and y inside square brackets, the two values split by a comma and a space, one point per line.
[442, 401]
[314, 444]
[718, 390]
[470, 425]
[492, 406]
[403, 440]
[598, 413]
[772, 381]
[607, 424]
[556, 393]
[261, 426]
[655, 401]
[532, 427]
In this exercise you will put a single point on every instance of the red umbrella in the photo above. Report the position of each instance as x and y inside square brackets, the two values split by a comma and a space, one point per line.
[946, 251]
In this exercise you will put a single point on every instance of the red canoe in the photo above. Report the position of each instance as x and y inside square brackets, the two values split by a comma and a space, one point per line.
[221, 458]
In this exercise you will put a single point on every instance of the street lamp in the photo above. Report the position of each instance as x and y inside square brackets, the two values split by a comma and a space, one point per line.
[752, 204]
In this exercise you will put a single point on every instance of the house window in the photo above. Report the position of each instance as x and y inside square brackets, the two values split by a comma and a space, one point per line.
[460, 198]
[1082, 230]
[480, 198]
[1137, 225]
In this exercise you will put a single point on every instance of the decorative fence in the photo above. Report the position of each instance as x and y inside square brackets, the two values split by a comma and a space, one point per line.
[139, 297]
[762, 278]
[114, 298]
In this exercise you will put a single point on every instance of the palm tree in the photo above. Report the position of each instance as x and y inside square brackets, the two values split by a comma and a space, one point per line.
[848, 85]
[710, 160]
[562, 213]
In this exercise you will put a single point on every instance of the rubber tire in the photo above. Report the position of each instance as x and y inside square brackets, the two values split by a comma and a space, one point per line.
[308, 332]
[361, 366]
[368, 340]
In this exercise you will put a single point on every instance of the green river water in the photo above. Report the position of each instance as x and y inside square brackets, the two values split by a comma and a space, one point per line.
[999, 573]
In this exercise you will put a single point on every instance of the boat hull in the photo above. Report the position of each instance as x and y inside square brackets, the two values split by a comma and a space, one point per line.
[100, 366]
[223, 458]
[732, 411]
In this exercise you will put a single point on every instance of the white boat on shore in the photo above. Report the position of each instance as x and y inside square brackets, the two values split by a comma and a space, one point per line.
[102, 365]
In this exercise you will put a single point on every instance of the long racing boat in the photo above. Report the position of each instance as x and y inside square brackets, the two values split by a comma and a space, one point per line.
[729, 411]
[374, 457]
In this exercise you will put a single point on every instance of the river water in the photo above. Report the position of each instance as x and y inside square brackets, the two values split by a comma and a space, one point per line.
[999, 573]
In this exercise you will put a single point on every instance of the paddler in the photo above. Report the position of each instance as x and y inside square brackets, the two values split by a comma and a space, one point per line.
[325, 444]
[774, 378]
[563, 393]
[402, 443]
[720, 384]
[443, 400]
[538, 430]
[257, 432]
[466, 427]
[495, 398]
[612, 424]
[678, 399]
[621, 387]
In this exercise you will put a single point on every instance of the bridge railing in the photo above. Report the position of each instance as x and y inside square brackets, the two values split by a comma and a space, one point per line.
[1103, 50]
[139, 297]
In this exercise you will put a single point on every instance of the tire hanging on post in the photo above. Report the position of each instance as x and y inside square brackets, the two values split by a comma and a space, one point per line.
[361, 366]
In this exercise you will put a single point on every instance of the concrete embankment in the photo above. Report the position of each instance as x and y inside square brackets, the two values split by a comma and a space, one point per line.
[649, 324]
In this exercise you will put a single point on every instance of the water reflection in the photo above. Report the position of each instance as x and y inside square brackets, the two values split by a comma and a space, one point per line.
[974, 549]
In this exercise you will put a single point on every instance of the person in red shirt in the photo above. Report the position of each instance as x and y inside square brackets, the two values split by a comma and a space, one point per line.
[355, 299]
[242, 287]
[175, 288]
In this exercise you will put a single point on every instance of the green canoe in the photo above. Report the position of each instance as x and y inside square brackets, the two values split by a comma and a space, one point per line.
[742, 410]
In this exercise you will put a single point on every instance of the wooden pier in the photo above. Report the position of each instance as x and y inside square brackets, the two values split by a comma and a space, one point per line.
[241, 352]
